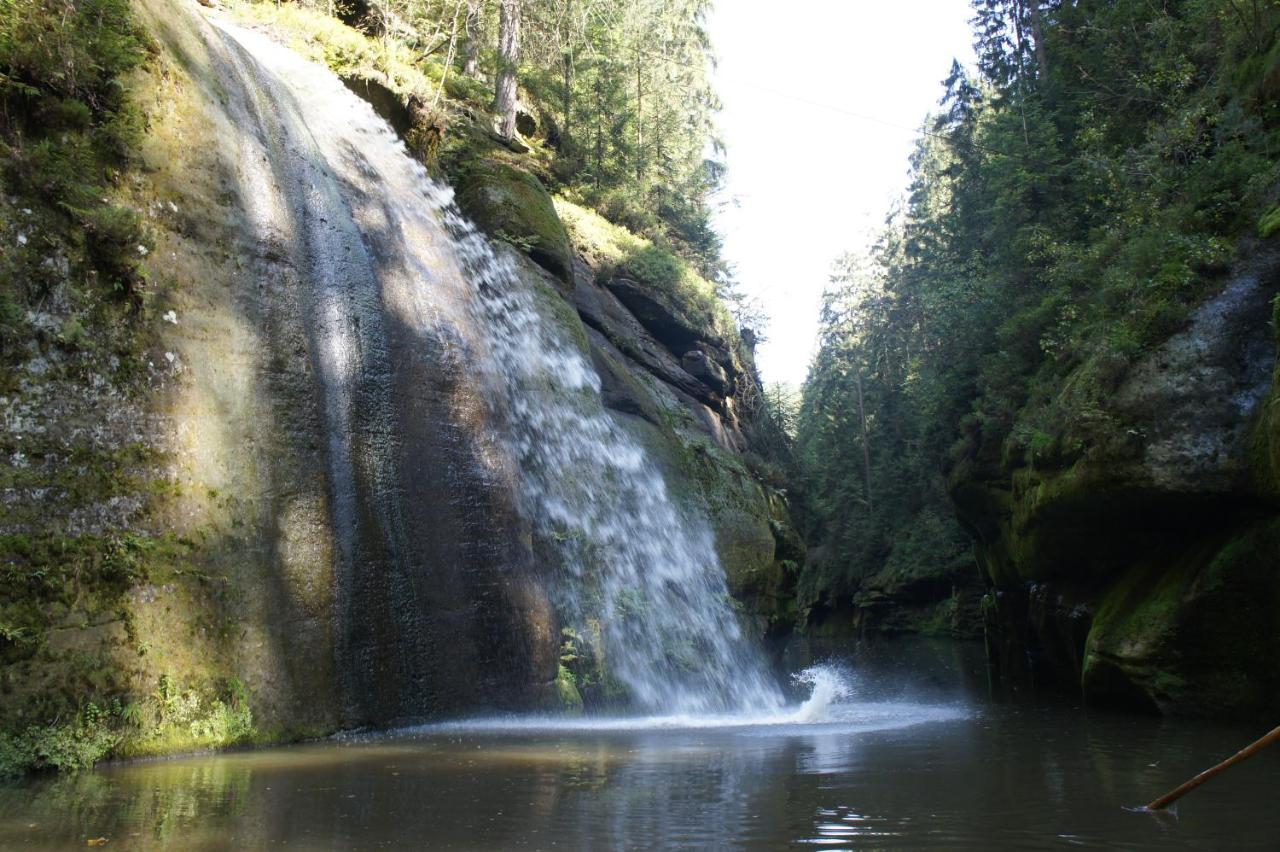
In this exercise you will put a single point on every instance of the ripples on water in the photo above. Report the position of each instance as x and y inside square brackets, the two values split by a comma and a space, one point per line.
[836, 769]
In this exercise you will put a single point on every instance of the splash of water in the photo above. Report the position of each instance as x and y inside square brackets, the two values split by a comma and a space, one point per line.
[831, 707]
[828, 685]
[632, 561]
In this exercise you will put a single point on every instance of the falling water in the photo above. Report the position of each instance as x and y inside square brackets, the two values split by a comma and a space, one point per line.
[650, 570]
[636, 570]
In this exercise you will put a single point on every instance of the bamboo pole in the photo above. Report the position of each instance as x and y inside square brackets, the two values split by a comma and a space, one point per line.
[1243, 754]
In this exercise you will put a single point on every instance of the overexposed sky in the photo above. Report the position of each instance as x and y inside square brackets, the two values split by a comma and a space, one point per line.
[806, 183]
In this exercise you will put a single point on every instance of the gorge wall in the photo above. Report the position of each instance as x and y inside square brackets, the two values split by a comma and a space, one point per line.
[274, 505]
[1137, 560]
[1041, 408]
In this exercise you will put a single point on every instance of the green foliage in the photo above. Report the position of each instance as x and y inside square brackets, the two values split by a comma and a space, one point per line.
[1269, 223]
[172, 718]
[620, 90]
[66, 127]
[315, 34]
[626, 85]
[567, 690]
[1065, 213]
[166, 721]
[614, 250]
[42, 575]
[75, 745]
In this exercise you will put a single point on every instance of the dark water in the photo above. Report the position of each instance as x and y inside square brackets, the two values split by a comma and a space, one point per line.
[989, 777]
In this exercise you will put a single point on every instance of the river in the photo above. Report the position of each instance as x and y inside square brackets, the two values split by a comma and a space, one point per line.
[873, 770]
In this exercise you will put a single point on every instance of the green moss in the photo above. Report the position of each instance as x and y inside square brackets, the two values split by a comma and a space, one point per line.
[558, 310]
[511, 203]
[65, 145]
[1191, 634]
[1269, 223]
[940, 618]
[1141, 609]
[567, 690]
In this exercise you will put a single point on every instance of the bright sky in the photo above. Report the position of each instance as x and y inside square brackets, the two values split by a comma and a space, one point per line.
[811, 183]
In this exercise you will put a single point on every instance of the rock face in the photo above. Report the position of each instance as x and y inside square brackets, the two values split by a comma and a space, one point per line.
[1139, 565]
[510, 204]
[314, 512]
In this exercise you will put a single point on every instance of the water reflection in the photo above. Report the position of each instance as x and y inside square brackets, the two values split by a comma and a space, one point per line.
[1002, 778]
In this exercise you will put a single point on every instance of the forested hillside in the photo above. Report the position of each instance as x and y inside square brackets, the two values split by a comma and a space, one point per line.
[1111, 167]
[615, 91]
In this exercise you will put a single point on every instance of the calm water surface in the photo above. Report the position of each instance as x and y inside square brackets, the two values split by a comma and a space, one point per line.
[888, 775]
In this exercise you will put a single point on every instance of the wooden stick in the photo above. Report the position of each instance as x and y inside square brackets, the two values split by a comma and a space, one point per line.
[1243, 754]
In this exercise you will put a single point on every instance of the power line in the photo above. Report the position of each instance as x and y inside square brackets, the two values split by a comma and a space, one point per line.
[871, 118]
[830, 107]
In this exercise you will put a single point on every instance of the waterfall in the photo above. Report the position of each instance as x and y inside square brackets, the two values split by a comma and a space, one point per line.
[652, 572]
[393, 268]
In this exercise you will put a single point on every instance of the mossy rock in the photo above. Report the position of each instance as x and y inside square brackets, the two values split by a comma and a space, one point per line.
[676, 304]
[707, 481]
[567, 693]
[509, 203]
[1196, 635]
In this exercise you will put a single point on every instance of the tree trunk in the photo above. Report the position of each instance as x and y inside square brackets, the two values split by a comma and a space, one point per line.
[639, 121]
[567, 67]
[599, 131]
[504, 102]
[866, 446]
[1037, 36]
[1020, 45]
[471, 39]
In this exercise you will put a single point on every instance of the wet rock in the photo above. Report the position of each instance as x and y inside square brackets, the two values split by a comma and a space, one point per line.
[385, 102]
[698, 364]
[511, 204]
[602, 311]
[658, 312]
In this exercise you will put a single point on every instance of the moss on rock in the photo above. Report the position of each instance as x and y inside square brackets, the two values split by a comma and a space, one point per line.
[567, 691]
[668, 296]
[511, 204]
[747, 518]
[1188, 635]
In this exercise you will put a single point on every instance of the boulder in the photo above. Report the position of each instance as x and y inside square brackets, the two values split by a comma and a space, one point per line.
[510, 204]
[699, 365]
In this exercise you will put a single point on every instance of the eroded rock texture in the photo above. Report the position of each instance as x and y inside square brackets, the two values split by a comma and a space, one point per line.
[1140, 563]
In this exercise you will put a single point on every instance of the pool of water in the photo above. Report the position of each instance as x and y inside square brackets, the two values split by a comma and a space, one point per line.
[873, 774]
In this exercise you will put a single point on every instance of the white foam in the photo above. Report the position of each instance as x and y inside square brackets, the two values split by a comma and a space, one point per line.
[830, 708]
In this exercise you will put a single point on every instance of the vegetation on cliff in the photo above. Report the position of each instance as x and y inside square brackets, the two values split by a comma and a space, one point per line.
[1068, 210]
[165, 533]
[615, 106]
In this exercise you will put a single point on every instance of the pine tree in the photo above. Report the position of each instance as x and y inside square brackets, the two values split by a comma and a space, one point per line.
[506, 96]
